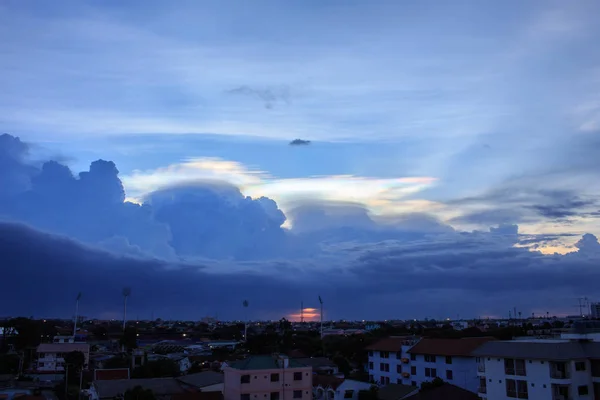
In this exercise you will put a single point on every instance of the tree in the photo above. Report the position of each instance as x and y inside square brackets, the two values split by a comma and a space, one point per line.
[139, 393]
[74, 362]
[437, 382]
[9, 363]
[129, 339]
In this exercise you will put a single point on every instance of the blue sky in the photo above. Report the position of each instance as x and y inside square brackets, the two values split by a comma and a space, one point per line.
[470, 114]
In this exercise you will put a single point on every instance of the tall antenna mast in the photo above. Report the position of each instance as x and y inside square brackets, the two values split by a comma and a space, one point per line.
[245, 304]
[76, 314]
[126, 293]
[321, 301]
[302, 311]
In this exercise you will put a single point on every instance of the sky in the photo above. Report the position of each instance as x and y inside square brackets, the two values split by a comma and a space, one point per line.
[452, 168]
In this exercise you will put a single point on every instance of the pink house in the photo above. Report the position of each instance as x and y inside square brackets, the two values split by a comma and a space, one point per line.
[273, 377]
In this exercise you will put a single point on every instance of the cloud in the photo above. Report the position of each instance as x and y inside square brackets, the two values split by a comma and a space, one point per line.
[198, 241]
[270, 96]
[299, 142]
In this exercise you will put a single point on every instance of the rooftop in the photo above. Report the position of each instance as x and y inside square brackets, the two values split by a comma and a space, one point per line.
[111, 374]
[160, 386]
[327, 381]
[395, 391]
[393, 343]
[445, 392]
[202, 379]
[263, 362]
[63, 347]
[448, 347]
[539, 350]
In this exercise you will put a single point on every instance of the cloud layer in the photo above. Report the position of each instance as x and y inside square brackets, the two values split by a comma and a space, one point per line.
[204, 246]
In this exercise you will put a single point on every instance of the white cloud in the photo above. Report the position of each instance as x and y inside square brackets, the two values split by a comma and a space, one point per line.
[380, 195]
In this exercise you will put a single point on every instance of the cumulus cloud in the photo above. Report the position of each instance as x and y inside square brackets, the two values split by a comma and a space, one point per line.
[195, 242]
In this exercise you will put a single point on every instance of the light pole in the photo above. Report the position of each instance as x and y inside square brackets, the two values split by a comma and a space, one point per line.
[245, 304]
[321, 302]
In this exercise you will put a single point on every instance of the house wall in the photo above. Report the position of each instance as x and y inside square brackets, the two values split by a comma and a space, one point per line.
[538, 378]
[350, 385]
[49, 362]
[464, 371]
[260, 385]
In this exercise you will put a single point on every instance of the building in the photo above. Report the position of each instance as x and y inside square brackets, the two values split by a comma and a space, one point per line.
[51, 355]
[320, 365]
[207, 381]
[595, 310]
[163, 388]
[448, 359]
[389, 361]
[558, 369]
[325, 386]
[267, 377]
[443, 392]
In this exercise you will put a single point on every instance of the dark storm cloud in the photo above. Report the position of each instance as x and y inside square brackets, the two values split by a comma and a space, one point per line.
[199, 249]
[299, 142]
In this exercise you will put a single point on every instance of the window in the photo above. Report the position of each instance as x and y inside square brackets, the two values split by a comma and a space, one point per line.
[297, 376]
[382, 380]
[399, 369]
[245, 396]
[580, 366]
[370, 354]
[413, 370]
[245, 379]
[582, 390]
[275, 377]
[522, 390]
[297, 394]
[40, 364]
[516, 389]
[387, 367]
[449, 374]
[385, 354]
[381, 366]
[413, 357]
[433, 373]
[448, 360]
[429, 358]
[348, 394]
[384, 367]
[398, 355]
[520, 367]
[428, 372]
[274, 395]
[370, 364]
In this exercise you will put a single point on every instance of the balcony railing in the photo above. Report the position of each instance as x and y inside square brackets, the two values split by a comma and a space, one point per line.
[481, 368]
[482, 389]
[555, 374]
[521, 372]
[509, 371]
[405, 360]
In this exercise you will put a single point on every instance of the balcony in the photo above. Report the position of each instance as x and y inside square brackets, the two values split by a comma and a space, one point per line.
[481, 368]
[509, 371]
[557, 374]
[405, 375]
[521, 372]
[482, 389]
[405, 360]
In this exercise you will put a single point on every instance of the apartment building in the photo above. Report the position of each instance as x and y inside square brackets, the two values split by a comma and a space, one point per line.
[389, 361]
[273, 377]
[50, 356]
[448, 359]
[559, 369]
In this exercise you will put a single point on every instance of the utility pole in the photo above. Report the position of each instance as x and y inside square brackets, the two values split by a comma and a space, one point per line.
[76, 315]
[302, 312]
[321, 301]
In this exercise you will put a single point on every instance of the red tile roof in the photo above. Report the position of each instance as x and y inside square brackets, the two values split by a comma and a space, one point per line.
[111, 374]
[389, 344]
[448, 347]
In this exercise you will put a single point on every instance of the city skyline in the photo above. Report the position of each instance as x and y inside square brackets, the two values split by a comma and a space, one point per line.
[396, 159]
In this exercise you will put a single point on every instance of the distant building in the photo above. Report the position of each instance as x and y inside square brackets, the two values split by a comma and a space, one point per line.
[267, 377]
[51, 355]
[548, 369]
[595, 310]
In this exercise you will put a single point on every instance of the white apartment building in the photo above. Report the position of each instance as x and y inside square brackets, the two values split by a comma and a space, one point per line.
[449, 359]
[558, 369]
[595, 310]
[409, 361]
[51, 355]
[389, 361]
